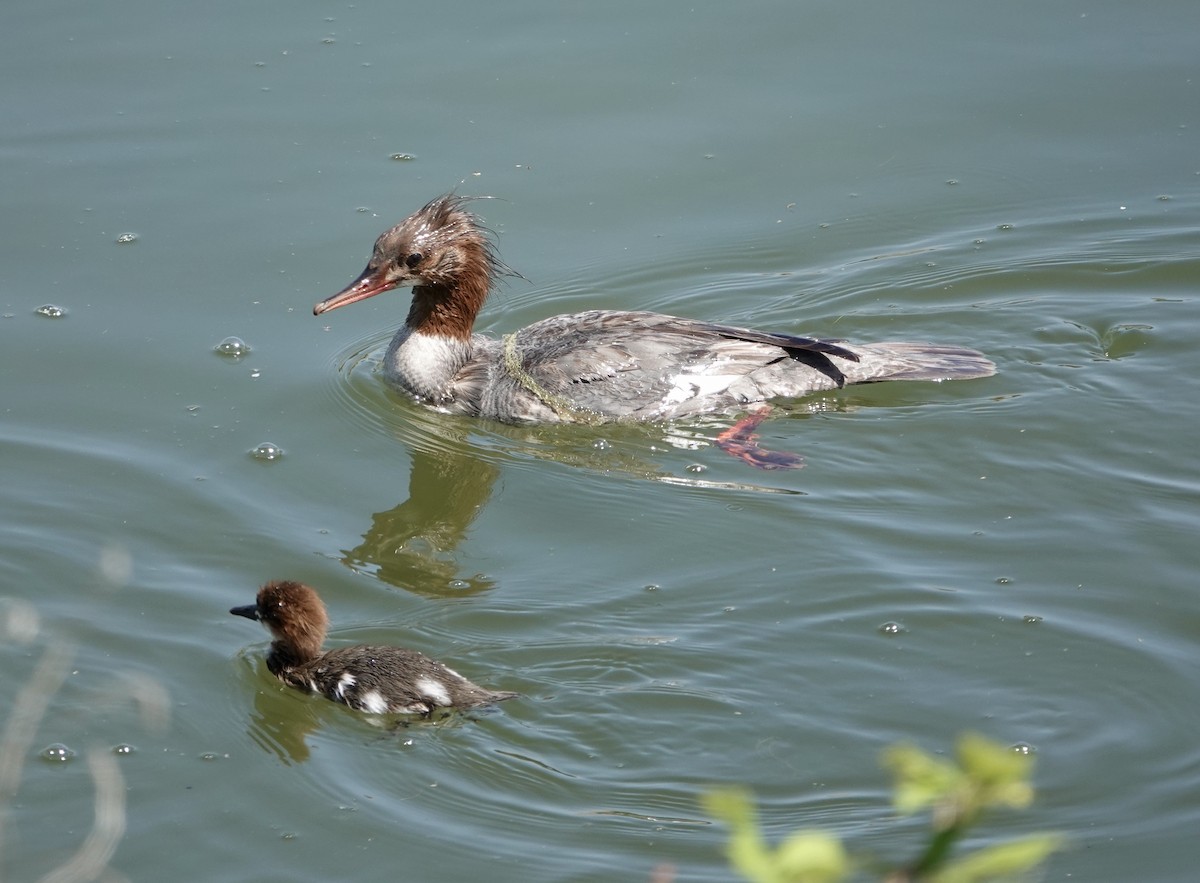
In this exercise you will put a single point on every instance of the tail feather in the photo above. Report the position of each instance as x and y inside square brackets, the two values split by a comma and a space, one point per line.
[896, 360]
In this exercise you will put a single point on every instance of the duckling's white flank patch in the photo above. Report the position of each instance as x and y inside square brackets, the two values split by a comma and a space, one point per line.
[345, 682]
[433, 691]
[374, 702]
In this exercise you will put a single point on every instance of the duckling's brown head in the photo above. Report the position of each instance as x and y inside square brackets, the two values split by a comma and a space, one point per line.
[293, 613]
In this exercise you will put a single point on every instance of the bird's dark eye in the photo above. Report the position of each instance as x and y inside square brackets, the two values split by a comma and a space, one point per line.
[413, 259]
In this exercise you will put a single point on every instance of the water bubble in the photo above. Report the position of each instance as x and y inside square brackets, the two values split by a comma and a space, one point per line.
[1004, 581]
[267, 452]
[57, 752]
[50, 311]
[952, 181]
[403, 157]
[123, 749]
[601, 444]
[127, 238]
[891, 628]
[1031, 619]
[1004, 226]
[232, 347]
[1024, 748]
[695, 467]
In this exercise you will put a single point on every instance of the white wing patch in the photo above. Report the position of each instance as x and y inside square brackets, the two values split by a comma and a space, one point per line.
[345, 682]
[373, 701]
[697, 382]
[433, 691]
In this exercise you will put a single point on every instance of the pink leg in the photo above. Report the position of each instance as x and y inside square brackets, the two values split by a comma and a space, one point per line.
[741, 441]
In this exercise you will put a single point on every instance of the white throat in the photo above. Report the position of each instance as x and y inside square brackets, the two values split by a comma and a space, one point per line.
[425, 364]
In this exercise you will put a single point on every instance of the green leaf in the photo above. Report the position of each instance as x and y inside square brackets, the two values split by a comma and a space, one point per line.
[990, 761]
[811, 857]
[805, 857]
[1001, 776]
[733, 806]
[1003, 860]
[921, 779]
[747, 851]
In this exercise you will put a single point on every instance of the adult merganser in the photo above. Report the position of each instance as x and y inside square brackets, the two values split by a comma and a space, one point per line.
[379, 680]
[598, 366]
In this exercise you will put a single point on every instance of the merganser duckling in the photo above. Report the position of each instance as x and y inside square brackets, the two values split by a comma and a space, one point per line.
[379, 680]
[598, 366]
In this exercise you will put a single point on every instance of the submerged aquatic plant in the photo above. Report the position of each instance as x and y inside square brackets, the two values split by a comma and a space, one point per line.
[19, 623]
